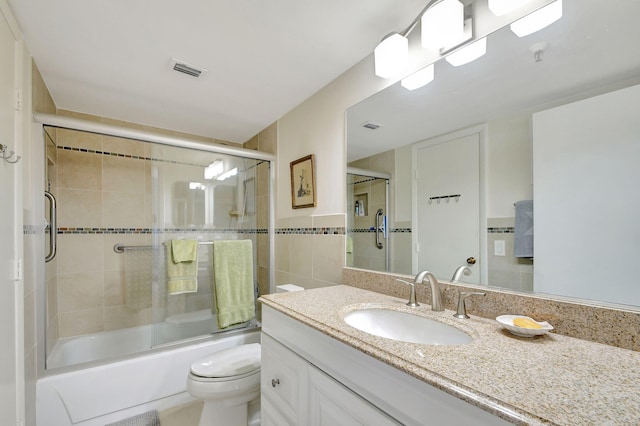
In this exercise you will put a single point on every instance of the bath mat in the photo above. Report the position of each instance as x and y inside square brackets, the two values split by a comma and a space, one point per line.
[138, 267]
[150, 418]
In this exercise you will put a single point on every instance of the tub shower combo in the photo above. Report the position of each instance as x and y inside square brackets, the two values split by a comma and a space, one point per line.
[115, 200]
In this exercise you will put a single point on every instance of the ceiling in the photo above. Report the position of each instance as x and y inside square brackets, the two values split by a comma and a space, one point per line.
[586, 53]
[111, 58]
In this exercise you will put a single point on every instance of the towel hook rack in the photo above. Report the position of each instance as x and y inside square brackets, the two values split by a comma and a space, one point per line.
[8, 156]
[444, 197]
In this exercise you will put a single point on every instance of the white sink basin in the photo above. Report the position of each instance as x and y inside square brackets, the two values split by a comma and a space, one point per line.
[405, 327]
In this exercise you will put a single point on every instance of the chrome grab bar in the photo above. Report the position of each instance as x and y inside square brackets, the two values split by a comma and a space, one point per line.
[121, 248]
[53, 227]
[380, 227]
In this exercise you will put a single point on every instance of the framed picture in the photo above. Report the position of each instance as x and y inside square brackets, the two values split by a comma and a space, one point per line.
[303, 183]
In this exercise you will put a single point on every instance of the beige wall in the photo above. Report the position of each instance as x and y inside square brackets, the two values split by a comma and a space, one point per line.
[310, 242]
[509, 178]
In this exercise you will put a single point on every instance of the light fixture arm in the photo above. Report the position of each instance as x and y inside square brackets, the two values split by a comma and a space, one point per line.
[413, 24]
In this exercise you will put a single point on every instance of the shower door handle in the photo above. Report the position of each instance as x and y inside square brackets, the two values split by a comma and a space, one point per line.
[53, 227]
[380, 227]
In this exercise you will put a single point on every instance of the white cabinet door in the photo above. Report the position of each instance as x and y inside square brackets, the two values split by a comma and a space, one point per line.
[270, 416]
[283, 380]
[332, 404]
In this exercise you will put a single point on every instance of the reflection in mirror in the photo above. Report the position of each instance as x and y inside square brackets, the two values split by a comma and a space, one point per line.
[368, 204]
[582, 64]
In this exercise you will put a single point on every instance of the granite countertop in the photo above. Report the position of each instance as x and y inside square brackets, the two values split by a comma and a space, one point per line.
[549, 379]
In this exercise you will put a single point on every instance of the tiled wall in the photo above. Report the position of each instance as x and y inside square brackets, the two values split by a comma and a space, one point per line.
[98, 191]
[115, 191]
[310, 250]
[506, 271]
[265, 141]
[370, 194]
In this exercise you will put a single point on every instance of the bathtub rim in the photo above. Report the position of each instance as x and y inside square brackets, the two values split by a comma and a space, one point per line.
[254, 326]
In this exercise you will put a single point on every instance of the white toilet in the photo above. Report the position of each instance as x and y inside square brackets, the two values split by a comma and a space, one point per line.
[228, 381]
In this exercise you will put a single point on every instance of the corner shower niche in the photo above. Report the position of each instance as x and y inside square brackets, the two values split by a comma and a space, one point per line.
[120, 202]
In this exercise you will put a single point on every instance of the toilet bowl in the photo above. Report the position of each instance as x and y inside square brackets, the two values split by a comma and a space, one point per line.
[227, 381]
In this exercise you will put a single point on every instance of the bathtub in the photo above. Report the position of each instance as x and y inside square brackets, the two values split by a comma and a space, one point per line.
[97, 395]
[118, 343]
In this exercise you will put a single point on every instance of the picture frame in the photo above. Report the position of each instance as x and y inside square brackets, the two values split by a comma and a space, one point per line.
[303, 183]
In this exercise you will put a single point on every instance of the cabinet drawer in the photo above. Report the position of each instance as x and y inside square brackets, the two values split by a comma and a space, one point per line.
[283, 379]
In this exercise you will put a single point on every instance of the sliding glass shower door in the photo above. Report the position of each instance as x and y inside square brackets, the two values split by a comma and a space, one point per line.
[120, 203]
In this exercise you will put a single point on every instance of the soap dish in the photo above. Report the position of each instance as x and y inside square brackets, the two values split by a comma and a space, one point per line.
[507, 322]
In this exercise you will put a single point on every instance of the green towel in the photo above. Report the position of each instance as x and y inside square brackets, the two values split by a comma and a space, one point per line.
[184, 250]
[182, 275]
[233, 275]
[349, 251]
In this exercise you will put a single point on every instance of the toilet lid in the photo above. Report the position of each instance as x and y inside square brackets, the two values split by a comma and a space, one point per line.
[229, 362]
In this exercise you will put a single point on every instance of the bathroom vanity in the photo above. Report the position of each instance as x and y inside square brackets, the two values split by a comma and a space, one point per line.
[318, 370]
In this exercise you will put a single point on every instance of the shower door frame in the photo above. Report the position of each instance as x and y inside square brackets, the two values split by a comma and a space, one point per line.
[41, 120]
[387, 234]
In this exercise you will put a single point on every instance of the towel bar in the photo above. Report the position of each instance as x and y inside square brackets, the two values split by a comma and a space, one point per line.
[120, 248]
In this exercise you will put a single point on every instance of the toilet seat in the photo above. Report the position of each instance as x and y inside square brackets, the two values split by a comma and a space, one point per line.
[198, 378]
[228, 364]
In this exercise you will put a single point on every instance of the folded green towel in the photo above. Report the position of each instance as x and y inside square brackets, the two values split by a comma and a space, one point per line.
[233, 276]
[184, 250]
[182, 277]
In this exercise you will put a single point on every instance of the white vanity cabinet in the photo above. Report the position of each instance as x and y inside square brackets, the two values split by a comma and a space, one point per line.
[309, 378]
[294, 392]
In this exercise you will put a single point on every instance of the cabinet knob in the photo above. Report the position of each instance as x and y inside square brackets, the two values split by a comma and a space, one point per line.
[275, 382]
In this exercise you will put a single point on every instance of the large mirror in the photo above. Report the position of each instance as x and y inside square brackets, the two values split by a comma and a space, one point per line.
[533, 104]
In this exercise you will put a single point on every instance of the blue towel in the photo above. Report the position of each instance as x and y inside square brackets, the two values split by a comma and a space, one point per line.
[523, 232]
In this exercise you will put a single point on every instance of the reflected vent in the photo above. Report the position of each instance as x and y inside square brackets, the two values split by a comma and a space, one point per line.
[186, 68]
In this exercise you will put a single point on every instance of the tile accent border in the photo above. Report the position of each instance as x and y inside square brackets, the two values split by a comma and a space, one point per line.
[135, 157]
[159, 231]
[372, 229]
[607, 325]
[310, 231]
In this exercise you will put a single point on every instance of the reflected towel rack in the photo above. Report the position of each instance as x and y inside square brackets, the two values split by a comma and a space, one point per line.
[120, 248]
[444, 197]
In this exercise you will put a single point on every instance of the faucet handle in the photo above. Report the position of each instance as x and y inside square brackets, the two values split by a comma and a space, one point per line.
[462, 308]
[412, 295]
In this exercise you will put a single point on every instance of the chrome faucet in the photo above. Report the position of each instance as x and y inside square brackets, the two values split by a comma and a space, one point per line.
[436, 294]
[462, 308]
[412, 295]
[458, 273]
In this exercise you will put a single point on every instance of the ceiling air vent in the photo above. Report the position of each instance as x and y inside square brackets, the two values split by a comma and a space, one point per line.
[186, 68]
[369, 125]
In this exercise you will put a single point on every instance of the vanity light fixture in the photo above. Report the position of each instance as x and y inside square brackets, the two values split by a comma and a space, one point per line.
[197, 185]
[538, 20]
[502, 7]
[443, 24]
[213, 169]
[469, 53]
[418, 79]
[391, 56]
[228, 174]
